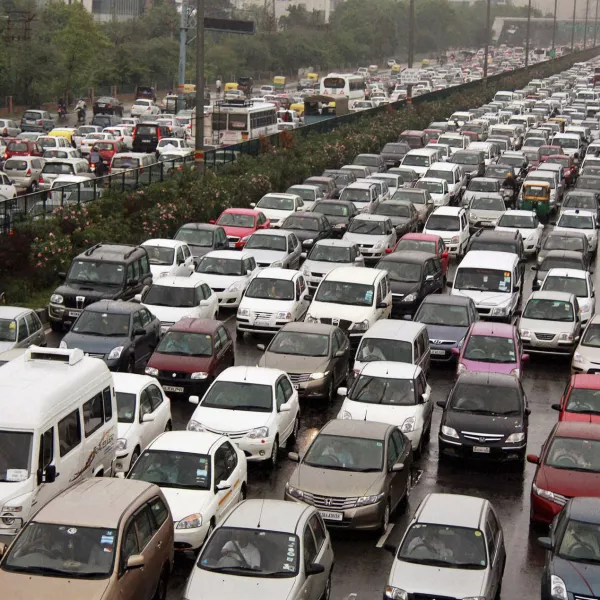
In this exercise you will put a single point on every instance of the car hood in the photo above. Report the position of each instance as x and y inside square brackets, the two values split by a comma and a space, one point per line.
[230, 421]
[198, 251]
[546, 326]
[469, 194]
[237, 231]
[380, 413]
[568, 483]
[318, 266]
[169, 314]
[484, 298]
[267, 256]
[331, 482]
[462, 583]
[403, 287]
[589, 352]
[23, 586]
[326, 310]
[336, 220]
[184, 502]
[524, 231]
[158, 270]
[275, 215]
[94, 344]
[220, 281]
[486, 214]
[462, 421]
[446, 332]
[580, 578]
[444, 234]
[304, 234]
[90, 291]
[185, 364]
[399, 221]
[294, 364]
[362, 239]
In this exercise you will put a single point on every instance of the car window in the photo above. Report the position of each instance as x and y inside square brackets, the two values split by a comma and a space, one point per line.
[318, 530]
[144, 266]
[335, 343]
[223, 336]
[145, 526]
[207, 291]
[93, 414]
[280, 394]
[146, 317]
[69, 432]
[159, 511]
[46, 448]
[137, 321]
[287, 388]
[309, 547]
[493, 524]
[145, 403]
[179, 258]
[130, 543]
[393, 452]
[399, 441]
[135, 265]
[156, 398]
[223, 465]
[420, 348]
[107, 398]
[22, 333]
[33, 322]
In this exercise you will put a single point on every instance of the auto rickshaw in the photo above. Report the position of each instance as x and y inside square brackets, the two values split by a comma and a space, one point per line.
[229, 87]
[425, 62]
[396, 70]
[536, 196]
[279, 83]
[560, 122]
[298, 107]
[314, 77]
[66, 132]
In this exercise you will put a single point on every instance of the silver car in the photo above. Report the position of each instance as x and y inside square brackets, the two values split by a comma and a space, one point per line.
[54, 167]
[275, 248]
[9, 128]
[586, 358]
[329, 254]
[482, 187]
[25, 172]
[20, 328]
[265, 549]
[485, 212]
[452, 548]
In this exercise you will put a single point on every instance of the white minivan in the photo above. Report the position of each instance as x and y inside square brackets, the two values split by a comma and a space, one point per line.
[452, 225]
[58, 423]
[420, 160]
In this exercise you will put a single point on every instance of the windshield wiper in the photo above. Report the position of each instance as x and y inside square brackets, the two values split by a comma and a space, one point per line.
[469, 565]
[43, 571]
[368, 470]
[429, 561]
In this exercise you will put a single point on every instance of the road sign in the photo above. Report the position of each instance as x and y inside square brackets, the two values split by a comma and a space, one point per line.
[410, 76]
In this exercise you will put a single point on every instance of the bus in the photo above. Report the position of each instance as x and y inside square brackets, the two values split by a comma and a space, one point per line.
[351, 86]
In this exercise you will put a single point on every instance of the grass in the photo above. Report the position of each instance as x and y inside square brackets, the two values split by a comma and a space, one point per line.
[38, 299]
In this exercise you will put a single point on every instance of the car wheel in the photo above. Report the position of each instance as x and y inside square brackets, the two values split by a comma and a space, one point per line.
[163, 584]
[327, 591]
[274, 454]
[294, 435]
[330, 392]
[33, 188]
[134, 457]
[385, 519]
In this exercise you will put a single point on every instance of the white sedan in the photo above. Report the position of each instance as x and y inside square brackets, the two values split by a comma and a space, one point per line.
[143, 108]
[88, 142]
[167, 145]
[202, 475]
[143, 413]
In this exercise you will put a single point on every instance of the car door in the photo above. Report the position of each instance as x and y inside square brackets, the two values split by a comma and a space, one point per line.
[324, 554]
[284, 394]
[6, 187]
[131, 583]
[428, 283]
[302, 303]
[146, 428]
[150, 545]
[152, 325]
[22, 338]
[227, 357]
[140, 342]
[339, 357]
[161, 410]
[495, 558]
[464, 233]
[187, 255]
[424, 351]
[224, 469]
[427, 405]
[37, 336]
[310, 587]
[396, 481]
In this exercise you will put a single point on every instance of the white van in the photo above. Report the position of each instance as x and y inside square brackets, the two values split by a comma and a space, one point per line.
[452, 225]
[420, 160]
[492, 280]
[58, 423]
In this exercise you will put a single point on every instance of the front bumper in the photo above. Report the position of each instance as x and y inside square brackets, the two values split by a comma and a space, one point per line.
[184, 387]
[256, 450]
[442, 352]
[231, 299]
[497, 451]
[371, 255]
[313, 388]
[60, 314]
[190, 539]
[542, 510]
[552, 347]
[244, 324]
[401, 308]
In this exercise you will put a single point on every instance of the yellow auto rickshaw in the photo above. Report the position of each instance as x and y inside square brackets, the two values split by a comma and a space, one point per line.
[395, 69]
[560, 122]
[65, 132]
[298, 107]
[279, 83]
[425, 62]
[314, 77]
[231, 86]
[536, 196]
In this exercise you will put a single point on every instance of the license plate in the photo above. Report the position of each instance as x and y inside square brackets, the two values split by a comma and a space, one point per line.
[100, 104]
[438, 352]
[261, 323]
[331, 516]
[170, 388]
[481, 449]
[74, 313]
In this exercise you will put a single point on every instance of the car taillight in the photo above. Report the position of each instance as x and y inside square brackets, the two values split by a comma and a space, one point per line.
[41, 179]
[28, 172]
[6, 155]
[40, 122]
[5, 132]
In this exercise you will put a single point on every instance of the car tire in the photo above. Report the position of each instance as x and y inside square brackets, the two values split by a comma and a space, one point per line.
[57, 327]
[385, 519]
[33, 188]
[169, 426]
[163, 585]
[330, 396]
[294, 435]
[327, 592]
[274, 458]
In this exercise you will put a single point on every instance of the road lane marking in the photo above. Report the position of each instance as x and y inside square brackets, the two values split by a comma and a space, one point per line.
[385, 536]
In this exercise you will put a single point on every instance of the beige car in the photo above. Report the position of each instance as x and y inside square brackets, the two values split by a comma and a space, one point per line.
[102, 539]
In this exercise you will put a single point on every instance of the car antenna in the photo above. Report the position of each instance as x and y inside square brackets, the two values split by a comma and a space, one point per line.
[366, 411]
[246, 373]
[260, 514]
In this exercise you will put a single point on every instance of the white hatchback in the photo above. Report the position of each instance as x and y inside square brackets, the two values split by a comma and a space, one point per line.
[582, 221]
[527, 224]
[451, 224]
[373, 234]
[438, 189]
[276, 207]
[577, 282]
[166, 256]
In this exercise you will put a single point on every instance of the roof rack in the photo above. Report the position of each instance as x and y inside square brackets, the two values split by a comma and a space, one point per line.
[91, 250]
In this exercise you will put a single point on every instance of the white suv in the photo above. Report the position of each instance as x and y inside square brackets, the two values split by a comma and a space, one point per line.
[373, 234]
[166, 256]
[454, 176]
[451, 224]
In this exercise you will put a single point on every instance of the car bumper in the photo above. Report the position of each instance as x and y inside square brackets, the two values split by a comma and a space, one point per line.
[536, 347]
[190, 539]
[255, 450]
[442, 353]
[372, 256]
[497, 451]
[314, 388]
[231, 299]
[401, 308]
[184, 387]
[60, 314]
[243, 324]
[542, 510]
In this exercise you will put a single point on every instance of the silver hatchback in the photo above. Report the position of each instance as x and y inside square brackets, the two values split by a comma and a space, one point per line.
[25, 172]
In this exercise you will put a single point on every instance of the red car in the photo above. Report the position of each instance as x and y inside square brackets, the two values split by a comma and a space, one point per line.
[548, 151]
[424, 242]
[581, 400]
[23, 148]
[240, 223]
[190, 355]
[567, 466]
[108, 148]
[570, 169]
[432, 135]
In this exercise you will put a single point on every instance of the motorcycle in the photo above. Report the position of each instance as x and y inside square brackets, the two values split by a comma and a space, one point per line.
[62, 113]
[81, 115]
[508, 195]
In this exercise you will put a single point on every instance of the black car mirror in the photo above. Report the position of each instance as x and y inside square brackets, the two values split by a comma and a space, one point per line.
[132, 281]
[314, 569]
[339, 353]
[62, 275]
[441, 403]
[139, 331]
[555, 406]
[545, 543]
[50, 474]
[382, 305]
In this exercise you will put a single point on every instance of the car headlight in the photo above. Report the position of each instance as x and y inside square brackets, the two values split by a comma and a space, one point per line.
[585, 306]
[525, 333]
[516, 372]
[449, 432]
[473, 217]
[243, 312]
[56, 299]
[499, 311]
[195, 426]
[408, 425]
[410, 297]
[461, 368]
[247, 237]
[190, 522]
[121, 444]
[515, 438]
[277, 263]
[454, 239]
[284, 316]
[345, 415]
[236, 286]
[305, 270]
[542, 493]
[116, 352]
[294, 492]
[558, 590]
[259, 432]
[151, 371]
[379, 244]
[365, 500]
[63, 345]
[199, 375]
[578, 358]
[319, 375]
[362, 326]
[565, 337]
[394, 593]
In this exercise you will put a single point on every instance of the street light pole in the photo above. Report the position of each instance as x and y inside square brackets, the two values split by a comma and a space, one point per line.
[587, 10]
[487, 40]
[573, 32]
[596, 24]
[182, 51]
[554, 27]
[199, 145]
[411, 44]
[528, 34]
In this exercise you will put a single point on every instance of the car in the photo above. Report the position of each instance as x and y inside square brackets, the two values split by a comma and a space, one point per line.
[191, 355]
[437, 188]
[580, 402]
[309, 194]
[202, 475]
[485, 212]
[339, 213]
[451, 224]
[23, 148]
[357, 170]
[585, 359]
[37, 120]
[423, 242]
[582, 199]
[107, 105]
[357, 473]
[373, 234]
[574, 281]
[491, 348]
[240, 223]
[91, 139]
[493, 405]
[550, 323]
[105, 121]
[143, 413]
[564, 240]
[9, 128]
[202, 238]
[257, 408]
[143, 107]
[570, 168]
[284, 544]
[341, 179]
[364, 195]
[527, 224]
[122, 133]
[329, 254]
[472, 162]
[166, 256]
[308, 228]
[393, 153]
[122, 334]
[452, 173]
[54, 167]
[20, 328]
[61, 153]
[580, 220]
[374, 162]
[448, 319]
[420, 199]
[276, 207]
[413, 276]
[559, 259]
[274, 297]
[567, 467]
[274, 248]
[454, 544]
[402, 214]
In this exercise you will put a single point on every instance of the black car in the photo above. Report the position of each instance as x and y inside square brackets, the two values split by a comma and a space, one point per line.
[102, 120]
[573, 559]
[499, 241]
[413, 276]
[588, 182]
[393, 153]
[486, 415]
[339, 213]
[104, 272]
[123, 334]
[107, 105]
[202, 238]
[341, 178]
[147, 135]
[448, 319]
[402, 214]
[471, 161]
[309, 227]
[559, 259]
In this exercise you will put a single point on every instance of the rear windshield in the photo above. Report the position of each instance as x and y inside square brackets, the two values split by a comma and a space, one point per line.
[31, 114]
[58, 168]
[146, 129]
[15, 165]
[17, 147]
[124, 163]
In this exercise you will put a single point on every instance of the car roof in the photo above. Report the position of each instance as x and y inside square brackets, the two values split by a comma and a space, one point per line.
[231, 254]
[574, 273]
[242, 211]
[333, 243]
[304, 327]
[488, 379]
[389, 329]
[251, 375]
[447, 299]
[587, 380]
[12, 312]
[453, 211]
[442, 166]
[130, 382]
[272, 232]
[267, 514]
[115, 307]
[523, 213]
[563, 253]
[194, 325]
[391, 369]
[280, 195]
[355, 428]
[585, 509]
[164, 243]
[370, 217]
[451, 509]
[196, 442]
[361, 275]
[178, 281]
[505, 330]
[488, 179]
[489, 259]
[410, 256]
[577, 429]
[423, 237]
[277, 273]
[544, 295]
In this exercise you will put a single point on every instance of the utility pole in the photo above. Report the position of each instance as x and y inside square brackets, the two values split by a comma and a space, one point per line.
[573, 32]
[596, 24]
[554, 26]
[182, 55]
[528, 35]
[587, 10]
[411, 45]
[487, 40]
[199, 145]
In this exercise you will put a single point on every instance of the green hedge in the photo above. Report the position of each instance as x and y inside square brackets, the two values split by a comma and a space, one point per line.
[31, 258]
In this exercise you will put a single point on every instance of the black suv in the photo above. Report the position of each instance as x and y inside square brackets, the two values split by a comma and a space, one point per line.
[104, 272]
[499, 241]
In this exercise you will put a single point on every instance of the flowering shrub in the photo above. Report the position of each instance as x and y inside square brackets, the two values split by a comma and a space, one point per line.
[163, 219]
[50, 255]
[71, 218]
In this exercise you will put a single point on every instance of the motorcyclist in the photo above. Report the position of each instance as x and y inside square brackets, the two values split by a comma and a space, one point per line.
[97, 162]
[510, 183]
[80, 109]
[62, 107]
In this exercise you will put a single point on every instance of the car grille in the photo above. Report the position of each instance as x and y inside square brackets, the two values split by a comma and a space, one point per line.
[343, 323]
[430, 597]
[329, 502]
[484, 311]
[218, 290]
[263, 315]
[299, 377]
[72, 302]
[96, 355]
[442, 342]
[233, 239]
[174, 374]
[482, 437]
[545, 337]
[231, 435]
[319, 275]
[366, 246]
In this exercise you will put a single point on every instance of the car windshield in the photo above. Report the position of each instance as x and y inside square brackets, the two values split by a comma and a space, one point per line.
[578, 201]
[367, 227]
[46, 549]
[15, 455]
[534, 142]
[490, 349]
[239, 395]
[411, 196]
[183, 343]
[574, 454]
[482, 185]
[304, 193]
[99, 273]
[367, 161]
[559, 161]
[445, 175]
[251, 553]
[400, 271]
[486, 399]
[167, 295]
[211, 265]
[102, 324]
[415, 160]
[125, 407]
[355, 195]
[483, 280]
[332, 210]
[391, 209]
[8, 330]
[277, 243]
[58, 169]
[345, 453]
[307, 223]
[496, 204]
[268, 288]
[395, 149]
[516, 221]
[158, 255]
[556, 241]
[124, 163]
[434, 187]
[580, 543]
[566, 142]
[586, 401]
[571, 285]
[235, 220]
[341, 292]
[450, 315]
[542, 309]
[332, 254]
[443, 223]
[172, 469]
[557, 262]
[576, 221]
[383, 390]
[12, 164]
[444, 546]
[276, 203]
[418, 245]
[589, 183]
[466, 159]
[299, 343]
[592, 336]
[453, 142]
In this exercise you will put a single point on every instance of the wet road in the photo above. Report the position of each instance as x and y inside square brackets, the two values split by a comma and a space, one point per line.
[360, 567]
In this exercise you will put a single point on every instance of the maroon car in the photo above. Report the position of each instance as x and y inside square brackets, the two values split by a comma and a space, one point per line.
[190, 355]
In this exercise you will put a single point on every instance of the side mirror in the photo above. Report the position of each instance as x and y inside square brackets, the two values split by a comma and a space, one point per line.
[148, 418]
[135, 561]
[429, 278]
[342, 391]
[132, 281]
[391, 548]
[194, 400]
[50, 474]
[252, 204]
[261, 347]
[222, 486]
[137, 298]
[139, 331]
[449, 284]
[294, 456]
[286, 407]
[397, 467]
[382, 305]
[534, 267]
[407, 317]
[524, 357]
[441, 403]
[204, 303]
[339, 353]
[545, 543]
[533, 459]
[314, 569]
[212, 222]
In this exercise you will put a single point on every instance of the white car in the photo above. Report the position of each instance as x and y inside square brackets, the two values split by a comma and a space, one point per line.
[123, 133]
[437, 188]
[202, 475]
[166, 256]
[172, 297]
[130, 121]
[391, 392]
[383, 191]
[451, 224]
[274, 297]
[373, 234]
[228, 273]
[329, 254]
[275, 248]
[7, 188]
[364, 196]
[577, 282]
[144, 412]
[256, 408]
[527, 224]
[485, 212]
[166, 145]
[582, 221]
[142, 108]
[277, 207]
[88, 142]
[394, 181]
